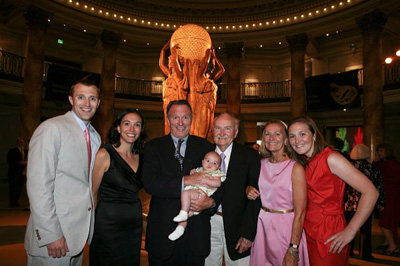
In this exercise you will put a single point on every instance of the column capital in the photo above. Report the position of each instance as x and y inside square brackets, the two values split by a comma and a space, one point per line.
[297, 42]
[234, 49]
[36, 17]
[372, 22]
[110, 39]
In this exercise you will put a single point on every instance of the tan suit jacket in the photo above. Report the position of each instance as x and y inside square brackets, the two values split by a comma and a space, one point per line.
[59, 187]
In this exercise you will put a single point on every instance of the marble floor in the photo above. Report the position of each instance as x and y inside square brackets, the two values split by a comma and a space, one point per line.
[13, 223]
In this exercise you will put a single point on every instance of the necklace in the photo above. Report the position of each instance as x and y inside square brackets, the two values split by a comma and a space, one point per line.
[284, 157]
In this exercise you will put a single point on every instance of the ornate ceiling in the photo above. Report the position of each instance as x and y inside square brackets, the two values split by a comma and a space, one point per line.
[258, 24]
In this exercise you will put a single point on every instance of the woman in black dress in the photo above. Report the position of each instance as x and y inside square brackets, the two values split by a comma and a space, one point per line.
[116, 182]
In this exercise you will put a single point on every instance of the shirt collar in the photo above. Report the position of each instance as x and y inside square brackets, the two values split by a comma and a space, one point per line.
[81, 124]
[175, 139]
[227, 152]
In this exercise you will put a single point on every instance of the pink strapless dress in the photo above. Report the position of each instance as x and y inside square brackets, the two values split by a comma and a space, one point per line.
[274, 230]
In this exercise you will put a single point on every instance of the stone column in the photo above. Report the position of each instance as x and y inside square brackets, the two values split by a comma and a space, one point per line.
[105, 114]
[234, 54]
[29, 118]
[371, 26]
[297, 44]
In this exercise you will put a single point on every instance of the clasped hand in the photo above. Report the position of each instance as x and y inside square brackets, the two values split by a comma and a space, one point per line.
[58, 248]
[243, 244]
[252, 193]
[197, 179]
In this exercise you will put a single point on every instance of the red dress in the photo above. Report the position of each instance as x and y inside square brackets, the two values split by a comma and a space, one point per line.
[390, 216]
[324, 216]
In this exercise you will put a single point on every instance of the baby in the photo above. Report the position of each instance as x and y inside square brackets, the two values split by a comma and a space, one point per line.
[210, 165]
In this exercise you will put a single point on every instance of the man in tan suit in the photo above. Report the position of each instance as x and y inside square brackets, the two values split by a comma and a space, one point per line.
[61, 157]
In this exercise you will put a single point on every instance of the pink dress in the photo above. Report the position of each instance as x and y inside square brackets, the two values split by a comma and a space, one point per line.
[274, 230]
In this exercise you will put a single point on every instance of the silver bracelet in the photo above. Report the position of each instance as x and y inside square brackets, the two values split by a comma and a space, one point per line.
[293, 253]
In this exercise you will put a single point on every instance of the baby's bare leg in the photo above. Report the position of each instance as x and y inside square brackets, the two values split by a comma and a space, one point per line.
[186, 197]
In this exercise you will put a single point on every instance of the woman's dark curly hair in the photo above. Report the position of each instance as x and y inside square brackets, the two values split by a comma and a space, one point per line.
[114, 135]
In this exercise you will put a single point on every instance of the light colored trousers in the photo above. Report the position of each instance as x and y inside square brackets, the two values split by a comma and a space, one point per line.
[50, 261]
[218, 246]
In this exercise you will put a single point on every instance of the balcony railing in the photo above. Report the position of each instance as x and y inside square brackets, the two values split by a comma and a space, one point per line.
[392, 75]
[265, 90]
[138, 87]
[11, 66]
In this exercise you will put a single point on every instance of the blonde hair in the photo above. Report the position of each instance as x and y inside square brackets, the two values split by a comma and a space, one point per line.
[265, 153]
[360, 152]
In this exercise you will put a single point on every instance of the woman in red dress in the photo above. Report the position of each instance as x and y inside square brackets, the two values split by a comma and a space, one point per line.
[327, 171]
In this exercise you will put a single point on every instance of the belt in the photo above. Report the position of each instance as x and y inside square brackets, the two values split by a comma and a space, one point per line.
[276, 211]
[218, 213]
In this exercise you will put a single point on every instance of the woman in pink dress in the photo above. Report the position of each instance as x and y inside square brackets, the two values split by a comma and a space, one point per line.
[327, 171]
[280, 239]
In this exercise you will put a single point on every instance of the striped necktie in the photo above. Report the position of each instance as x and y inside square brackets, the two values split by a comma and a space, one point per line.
[178, 154]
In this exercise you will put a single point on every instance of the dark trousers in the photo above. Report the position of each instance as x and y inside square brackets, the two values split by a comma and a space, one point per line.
[181, 256]
[365, 237]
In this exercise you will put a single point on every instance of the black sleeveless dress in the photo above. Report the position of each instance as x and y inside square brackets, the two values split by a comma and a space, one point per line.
[118, 222]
